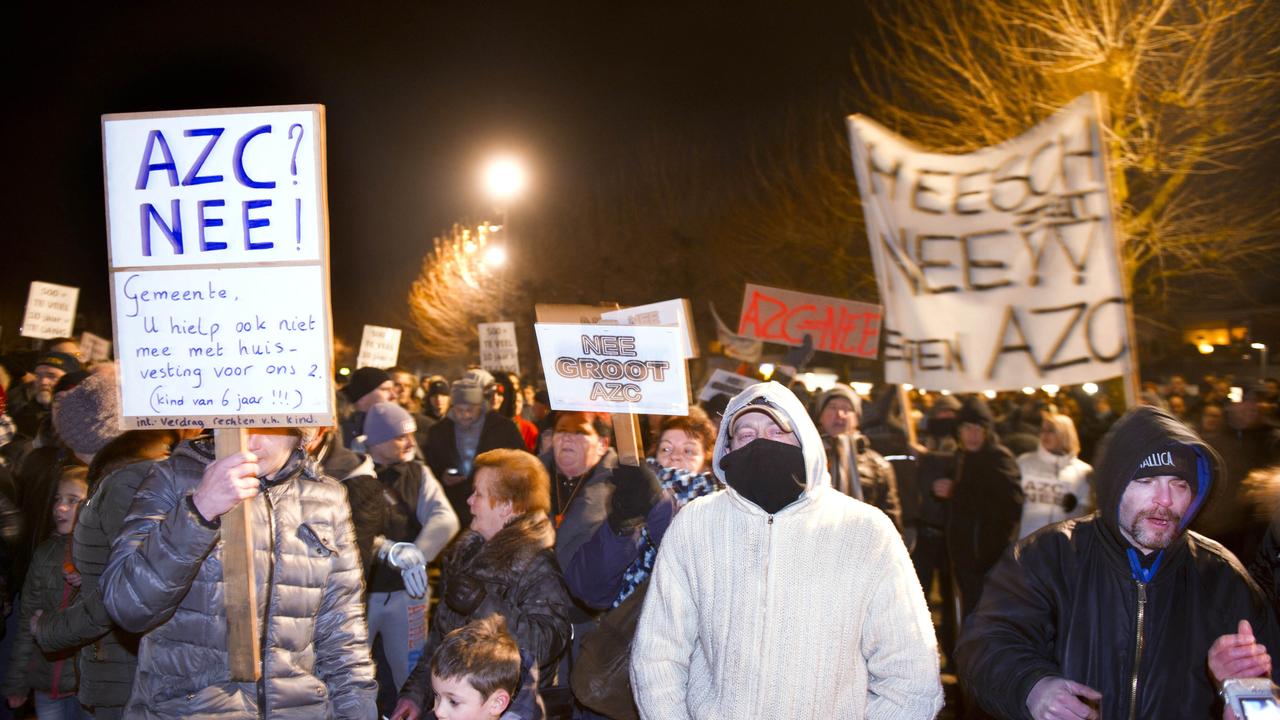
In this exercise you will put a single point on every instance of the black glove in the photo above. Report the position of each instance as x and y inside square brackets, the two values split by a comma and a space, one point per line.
[1070, 502]
[635, 491]
[464, 592]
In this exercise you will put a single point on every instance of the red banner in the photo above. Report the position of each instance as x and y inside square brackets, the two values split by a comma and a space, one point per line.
[784, 316]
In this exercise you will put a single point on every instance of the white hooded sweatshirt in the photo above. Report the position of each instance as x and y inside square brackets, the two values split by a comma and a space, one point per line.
[813, 612]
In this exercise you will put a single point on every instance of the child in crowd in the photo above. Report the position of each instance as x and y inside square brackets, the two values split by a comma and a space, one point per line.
[476, 671]
[52, 583]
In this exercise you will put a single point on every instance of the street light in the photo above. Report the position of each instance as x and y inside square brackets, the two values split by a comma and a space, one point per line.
[504, 178]
[1263, 366]
[495, 256]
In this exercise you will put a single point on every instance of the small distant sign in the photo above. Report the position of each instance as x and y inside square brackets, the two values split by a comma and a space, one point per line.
[94, 348]
[726, 383]
[498, 350]
[669, 313]
[379, 347]
[51, 311]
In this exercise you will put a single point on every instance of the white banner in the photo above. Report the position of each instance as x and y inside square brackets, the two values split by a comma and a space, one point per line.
[615, 369]
[51, 311]
[379, 347]
[997, 269]
[219, 253]
[94, 348]
[669, 313]
[498, 349]
[723, 382]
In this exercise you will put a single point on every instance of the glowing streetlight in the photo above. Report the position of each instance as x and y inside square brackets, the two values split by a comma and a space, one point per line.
[1090, 388]
[495, 256]
[1261, 347]
[504, 179]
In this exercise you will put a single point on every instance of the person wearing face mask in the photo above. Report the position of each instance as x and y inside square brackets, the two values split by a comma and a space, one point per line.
[782, 597]
[469, 428]
[417, 523]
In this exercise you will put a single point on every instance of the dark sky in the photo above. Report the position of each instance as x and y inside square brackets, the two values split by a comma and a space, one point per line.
[416, 95]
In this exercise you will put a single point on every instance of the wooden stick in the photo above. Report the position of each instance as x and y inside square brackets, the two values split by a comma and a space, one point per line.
[904, 400]
[626, 437]
[239, 588]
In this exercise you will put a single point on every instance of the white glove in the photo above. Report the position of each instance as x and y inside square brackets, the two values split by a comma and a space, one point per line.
[408, 559]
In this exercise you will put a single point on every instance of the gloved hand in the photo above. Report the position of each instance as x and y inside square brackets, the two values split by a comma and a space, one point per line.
[464, 592]
[1070, 502]
[635, 491]
[799, 357]
[408, 559]
[1055, 698]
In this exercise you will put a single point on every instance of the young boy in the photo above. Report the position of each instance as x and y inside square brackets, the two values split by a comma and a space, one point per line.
[475, 672]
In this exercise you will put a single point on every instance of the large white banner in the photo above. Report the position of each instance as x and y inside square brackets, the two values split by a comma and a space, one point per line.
[218, 234]
[997, 269]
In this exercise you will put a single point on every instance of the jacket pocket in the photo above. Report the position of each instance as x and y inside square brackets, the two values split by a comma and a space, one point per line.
[318, 537]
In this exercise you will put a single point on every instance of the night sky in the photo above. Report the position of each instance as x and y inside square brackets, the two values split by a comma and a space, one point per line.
[416, 96]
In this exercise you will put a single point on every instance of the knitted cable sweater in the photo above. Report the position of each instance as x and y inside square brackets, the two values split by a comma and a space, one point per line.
[813, 612]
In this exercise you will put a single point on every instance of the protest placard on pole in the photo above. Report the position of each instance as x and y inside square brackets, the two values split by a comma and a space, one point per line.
[846, 327]
[668, 313]
[998, 269]
[219, 246]
[498, 349]
[379, 347]
[51, 311]
[622, 370]
[94, 348]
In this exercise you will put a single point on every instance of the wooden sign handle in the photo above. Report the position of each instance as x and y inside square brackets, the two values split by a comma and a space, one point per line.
[239, 589]
[626, 438]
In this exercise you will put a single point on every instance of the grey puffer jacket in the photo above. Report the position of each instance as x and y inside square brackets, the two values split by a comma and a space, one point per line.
[165, 579]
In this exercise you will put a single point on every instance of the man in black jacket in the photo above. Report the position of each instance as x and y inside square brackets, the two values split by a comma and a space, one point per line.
[1115, 613]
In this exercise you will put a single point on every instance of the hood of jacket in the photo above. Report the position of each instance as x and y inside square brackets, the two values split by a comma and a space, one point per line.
[1140, 432]
[784, 401]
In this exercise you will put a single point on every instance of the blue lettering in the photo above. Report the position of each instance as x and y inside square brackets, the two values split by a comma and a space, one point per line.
[250, 224]
[173, 231]
[144, 172]
[237, 159]
[209, 222]
[192, 178]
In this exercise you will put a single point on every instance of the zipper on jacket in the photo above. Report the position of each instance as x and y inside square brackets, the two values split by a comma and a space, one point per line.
[764, 624]
[1139, 642]
[266, 619]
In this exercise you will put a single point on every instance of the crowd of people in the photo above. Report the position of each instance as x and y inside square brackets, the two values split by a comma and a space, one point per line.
[454, 548]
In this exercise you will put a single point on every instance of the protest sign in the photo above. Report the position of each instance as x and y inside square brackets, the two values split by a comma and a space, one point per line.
[379, 347]
[725, 382]
[51, 311]
[219, 280]
[94, 348]
[998, 269]
[498, 349]
[734, 345]
[572, 314]
[614, 369]
[219, 248]
[785, 317]
[669, 313]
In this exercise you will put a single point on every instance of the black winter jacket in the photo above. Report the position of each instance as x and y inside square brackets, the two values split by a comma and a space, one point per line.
[442, 456]
[986, 506]
[1064, 602]
[514, 575]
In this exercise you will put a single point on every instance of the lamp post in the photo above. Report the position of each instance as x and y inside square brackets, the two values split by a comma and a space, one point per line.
[504, 180]
[1262, 367]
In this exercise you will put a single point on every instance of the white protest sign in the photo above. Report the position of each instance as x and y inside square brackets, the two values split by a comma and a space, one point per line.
[379, 347]
[498, 350]
[94, 348]
[725, 382]
[219, 252]
[51, 310]
[997, 269]
[669, 313]
[614, 369]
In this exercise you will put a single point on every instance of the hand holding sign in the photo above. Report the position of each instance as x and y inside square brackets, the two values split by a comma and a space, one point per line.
[226, 482]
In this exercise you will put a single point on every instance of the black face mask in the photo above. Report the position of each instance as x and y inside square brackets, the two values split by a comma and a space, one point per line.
[766, 472]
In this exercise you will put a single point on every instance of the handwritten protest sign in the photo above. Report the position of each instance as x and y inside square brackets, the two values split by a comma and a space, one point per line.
[51, 311]
[726, 383]
[219, 281]
[998, 269]
[379, 347]
[94, 348]
[614, 369]
[498, 349]
[671, 313]
[836, 325]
